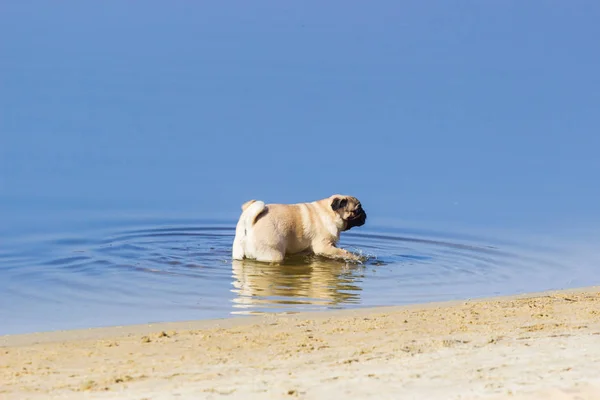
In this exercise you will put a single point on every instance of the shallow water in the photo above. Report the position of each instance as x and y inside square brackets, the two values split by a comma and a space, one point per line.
[176, 270]
[126, 153]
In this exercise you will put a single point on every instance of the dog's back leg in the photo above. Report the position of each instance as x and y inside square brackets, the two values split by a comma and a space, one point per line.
[272, 254]
[237, 252]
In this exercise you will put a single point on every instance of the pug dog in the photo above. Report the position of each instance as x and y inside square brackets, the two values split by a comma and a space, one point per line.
[269, 232]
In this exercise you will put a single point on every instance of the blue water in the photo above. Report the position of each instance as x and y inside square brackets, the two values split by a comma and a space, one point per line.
[131, 134]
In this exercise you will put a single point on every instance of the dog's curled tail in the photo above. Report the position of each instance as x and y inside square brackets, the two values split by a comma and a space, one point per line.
[247, 204]
[252, 209]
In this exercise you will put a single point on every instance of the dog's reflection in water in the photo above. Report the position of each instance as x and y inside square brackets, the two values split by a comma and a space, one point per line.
[294, 284]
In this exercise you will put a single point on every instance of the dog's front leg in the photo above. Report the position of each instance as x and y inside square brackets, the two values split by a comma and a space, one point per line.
[329, 250]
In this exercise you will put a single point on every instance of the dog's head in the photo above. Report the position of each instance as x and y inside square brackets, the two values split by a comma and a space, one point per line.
[349, 209]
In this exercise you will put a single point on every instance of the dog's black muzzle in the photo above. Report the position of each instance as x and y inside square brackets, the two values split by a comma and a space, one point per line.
[358, 219]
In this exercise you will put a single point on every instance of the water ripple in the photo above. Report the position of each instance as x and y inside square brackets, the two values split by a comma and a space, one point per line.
[159, 273]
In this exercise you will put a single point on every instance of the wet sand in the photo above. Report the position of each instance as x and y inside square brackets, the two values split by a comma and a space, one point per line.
[539, 346]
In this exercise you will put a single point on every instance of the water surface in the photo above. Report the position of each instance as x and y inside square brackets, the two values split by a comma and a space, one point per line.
[176, 270]
[130, 135]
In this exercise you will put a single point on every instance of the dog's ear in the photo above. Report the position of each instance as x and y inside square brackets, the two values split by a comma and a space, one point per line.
[338, 203]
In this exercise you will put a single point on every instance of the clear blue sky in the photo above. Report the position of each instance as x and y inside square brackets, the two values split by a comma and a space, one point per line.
[467, 111]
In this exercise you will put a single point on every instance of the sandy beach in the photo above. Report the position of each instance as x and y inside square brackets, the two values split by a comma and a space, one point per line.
[538, 346]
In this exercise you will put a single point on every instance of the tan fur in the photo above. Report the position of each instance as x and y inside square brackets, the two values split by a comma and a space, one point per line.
[269, 232]
[247, 204]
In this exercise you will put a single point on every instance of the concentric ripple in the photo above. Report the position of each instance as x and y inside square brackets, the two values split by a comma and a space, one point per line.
[180, 272]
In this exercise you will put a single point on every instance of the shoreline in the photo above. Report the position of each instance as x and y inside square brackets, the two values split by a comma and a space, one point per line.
[103, 332]
[544, 344]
